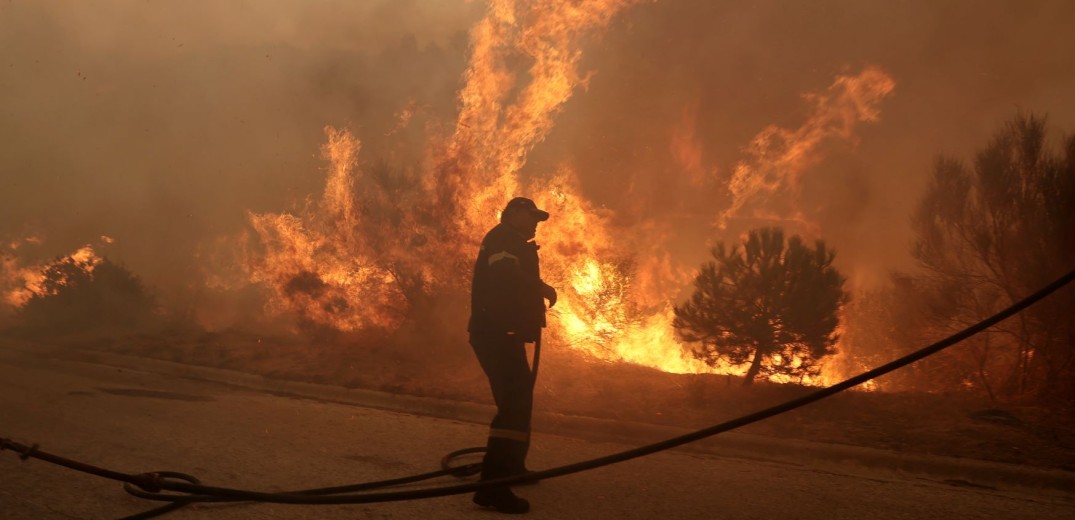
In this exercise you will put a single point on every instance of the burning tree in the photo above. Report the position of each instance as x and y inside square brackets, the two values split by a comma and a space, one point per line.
[992, 232]
[78, 293]
[773, 303]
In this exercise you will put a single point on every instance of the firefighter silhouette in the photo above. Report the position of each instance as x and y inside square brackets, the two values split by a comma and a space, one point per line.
[507, 311]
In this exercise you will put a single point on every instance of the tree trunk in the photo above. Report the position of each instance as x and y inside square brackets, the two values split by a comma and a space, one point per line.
[982, 360]
[755, 367]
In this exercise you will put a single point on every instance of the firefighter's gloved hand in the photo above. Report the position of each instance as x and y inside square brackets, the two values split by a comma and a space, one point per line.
[549, 293]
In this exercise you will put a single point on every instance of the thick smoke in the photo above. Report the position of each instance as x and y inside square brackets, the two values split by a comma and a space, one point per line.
[162, 125]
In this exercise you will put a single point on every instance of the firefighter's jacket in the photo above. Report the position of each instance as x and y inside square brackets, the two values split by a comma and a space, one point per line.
[506, 292]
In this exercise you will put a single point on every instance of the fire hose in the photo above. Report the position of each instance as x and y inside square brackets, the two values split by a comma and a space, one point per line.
[180, 489]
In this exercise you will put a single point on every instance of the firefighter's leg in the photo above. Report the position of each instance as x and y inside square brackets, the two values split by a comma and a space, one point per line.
[504, 362]
[512, 422]
[509, 377]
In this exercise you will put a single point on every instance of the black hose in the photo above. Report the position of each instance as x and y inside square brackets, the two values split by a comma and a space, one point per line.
[537, 360]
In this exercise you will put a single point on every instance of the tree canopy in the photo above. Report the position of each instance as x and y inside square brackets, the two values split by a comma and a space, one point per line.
[772, 303]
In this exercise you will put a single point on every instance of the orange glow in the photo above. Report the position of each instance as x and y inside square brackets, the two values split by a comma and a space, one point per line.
[601, 311]
[616, 287]
[316, 266]
[20, 284]
[686, 148]
[495, 131]
[403, 117]
[778, 157]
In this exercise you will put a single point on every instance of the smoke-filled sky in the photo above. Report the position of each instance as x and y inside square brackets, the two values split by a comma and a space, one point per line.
[161, 124]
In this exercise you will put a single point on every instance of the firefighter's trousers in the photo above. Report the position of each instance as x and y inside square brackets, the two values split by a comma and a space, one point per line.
[503, 358]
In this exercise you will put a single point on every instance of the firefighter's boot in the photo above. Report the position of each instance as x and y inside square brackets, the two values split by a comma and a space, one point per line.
[503, 500]
[498, 464]
[517, 462]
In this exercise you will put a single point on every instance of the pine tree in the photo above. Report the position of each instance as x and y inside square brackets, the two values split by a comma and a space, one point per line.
[773, 303]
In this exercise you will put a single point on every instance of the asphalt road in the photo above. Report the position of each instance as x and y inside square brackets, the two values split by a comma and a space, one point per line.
[136, 421]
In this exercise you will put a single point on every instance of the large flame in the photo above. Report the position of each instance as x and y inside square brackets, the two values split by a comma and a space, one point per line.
[317, 265]
[603, 312]
[328, 265]
[497, 127]
[321, 266]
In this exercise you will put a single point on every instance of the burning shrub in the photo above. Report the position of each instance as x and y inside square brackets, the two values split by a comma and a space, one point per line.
[357, 259]
[74, 296]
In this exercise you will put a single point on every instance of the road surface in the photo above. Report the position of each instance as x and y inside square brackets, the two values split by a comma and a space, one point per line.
[138, 421]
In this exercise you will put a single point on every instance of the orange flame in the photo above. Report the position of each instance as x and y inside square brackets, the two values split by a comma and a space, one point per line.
[403, 117]
[316, 266]
[615, 303]
[319, 266]
[778, 157]
[494, 132]
[24, 283]
[602, 312]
